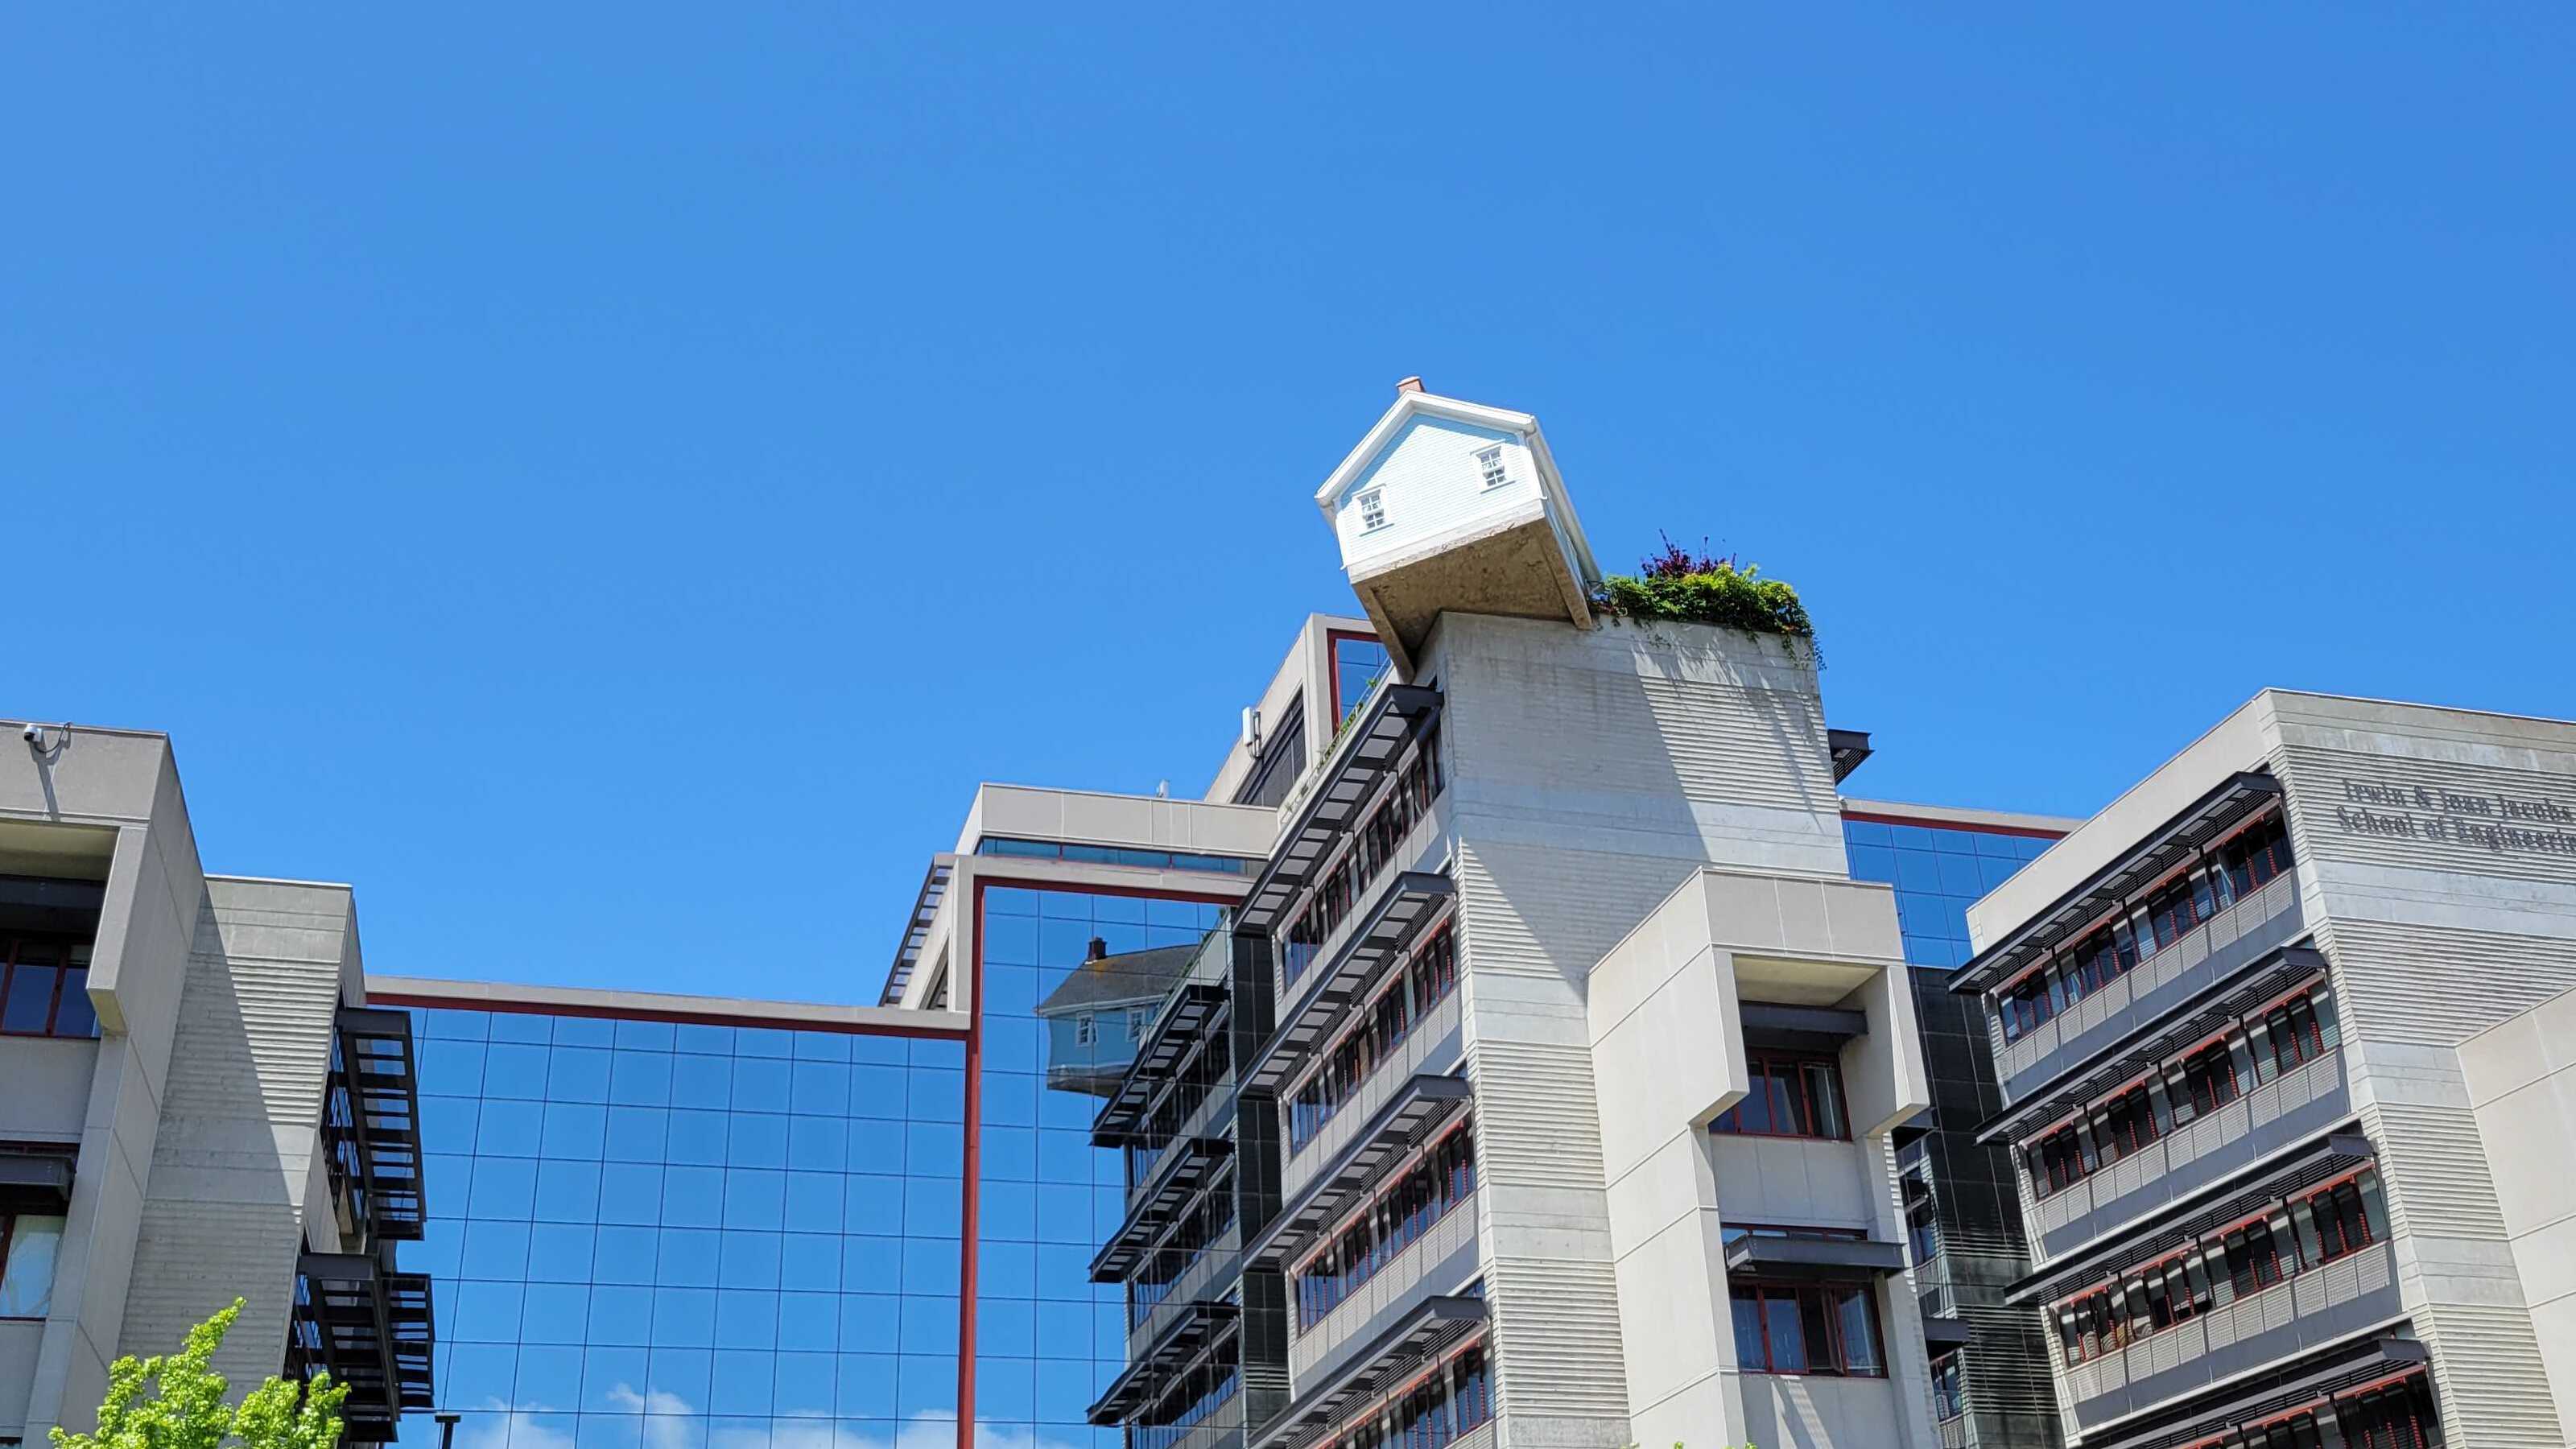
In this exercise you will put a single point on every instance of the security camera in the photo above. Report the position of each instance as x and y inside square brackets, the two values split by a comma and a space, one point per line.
[33, 734]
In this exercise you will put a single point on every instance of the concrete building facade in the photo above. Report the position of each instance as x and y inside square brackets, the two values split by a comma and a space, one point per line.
[200, 1104]
[1524, 1040]
[2270, 1032]
[1577, 1117]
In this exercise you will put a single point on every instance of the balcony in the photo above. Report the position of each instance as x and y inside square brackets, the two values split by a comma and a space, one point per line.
[2245, 932]
[2294, 1316]
[1330, 801]
[2309, 1383]
[1432, 1048]
[370, 1328]
[2285, 1110]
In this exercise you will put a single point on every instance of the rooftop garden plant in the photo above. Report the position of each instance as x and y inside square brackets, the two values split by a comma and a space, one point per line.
[1704, 589]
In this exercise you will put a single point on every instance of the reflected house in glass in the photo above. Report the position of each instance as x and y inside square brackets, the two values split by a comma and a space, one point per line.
[1097, 1014]
[1024, 942]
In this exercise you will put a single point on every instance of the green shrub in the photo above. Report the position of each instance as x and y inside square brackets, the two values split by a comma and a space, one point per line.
[1705, 590]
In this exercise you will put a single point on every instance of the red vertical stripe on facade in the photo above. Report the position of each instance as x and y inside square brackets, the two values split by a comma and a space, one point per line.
[969, 1224]
[967, 1218]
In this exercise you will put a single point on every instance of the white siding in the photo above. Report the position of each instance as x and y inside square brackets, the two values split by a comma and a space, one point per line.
[1432, 486]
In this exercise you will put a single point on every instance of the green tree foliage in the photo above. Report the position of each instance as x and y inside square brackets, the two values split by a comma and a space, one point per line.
[188, 1411]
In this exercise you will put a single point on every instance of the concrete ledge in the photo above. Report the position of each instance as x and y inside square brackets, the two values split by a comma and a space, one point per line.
[661, 1006]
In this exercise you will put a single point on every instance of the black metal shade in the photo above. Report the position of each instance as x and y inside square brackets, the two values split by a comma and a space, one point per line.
[37, 1182]
[1405, 903]
[2181, 1225]
[2196, 825]
[2179, 1029]
[1363, 754]
[1813, 1257]
[1168, 1042]
[371, 1126]
[1146, 1374]
[371, 1329]
[1417, 1109]
[1849, 748]
[916, 931]
[1406, 1343]
[1185, 1168]
[2307, 1381]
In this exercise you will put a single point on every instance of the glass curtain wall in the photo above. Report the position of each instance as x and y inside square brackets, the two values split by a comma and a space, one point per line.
[1964, 1229]
[1048, 1340]
[649, 1235]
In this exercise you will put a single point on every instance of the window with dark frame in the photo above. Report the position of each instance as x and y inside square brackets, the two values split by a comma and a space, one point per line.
[2129, 1123]
[2397, 1416]
[1409, 994]
[2209, 1078]
[2310, 1228]
[2294, 1034]
[1791, 1094]
[1949, 1387]
[44, 987]
[1443, 1178]
[2061, 1159]
[29, 1246]
[1807, 1328]
[2242, 865]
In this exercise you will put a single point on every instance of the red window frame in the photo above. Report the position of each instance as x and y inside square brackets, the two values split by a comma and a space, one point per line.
[2294, 1042]
[2391, 1414]
[1797, 1297]
[2209, 1090]
[2134, 1130]
[1798, 1098]
[2349, 1217]
[62, 966]
[2061, 1159]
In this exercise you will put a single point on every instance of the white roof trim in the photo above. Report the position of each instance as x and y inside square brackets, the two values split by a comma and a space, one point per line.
[1411, 405]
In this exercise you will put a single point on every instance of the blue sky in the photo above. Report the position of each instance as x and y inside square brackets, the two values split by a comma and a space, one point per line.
[609, 480]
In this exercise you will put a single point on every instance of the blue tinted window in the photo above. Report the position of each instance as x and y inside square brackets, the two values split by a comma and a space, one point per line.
[1938, 873]
[645, 1224]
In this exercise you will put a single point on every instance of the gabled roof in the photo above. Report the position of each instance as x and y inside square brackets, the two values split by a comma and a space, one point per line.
[1410, 405]
[1124, 979]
